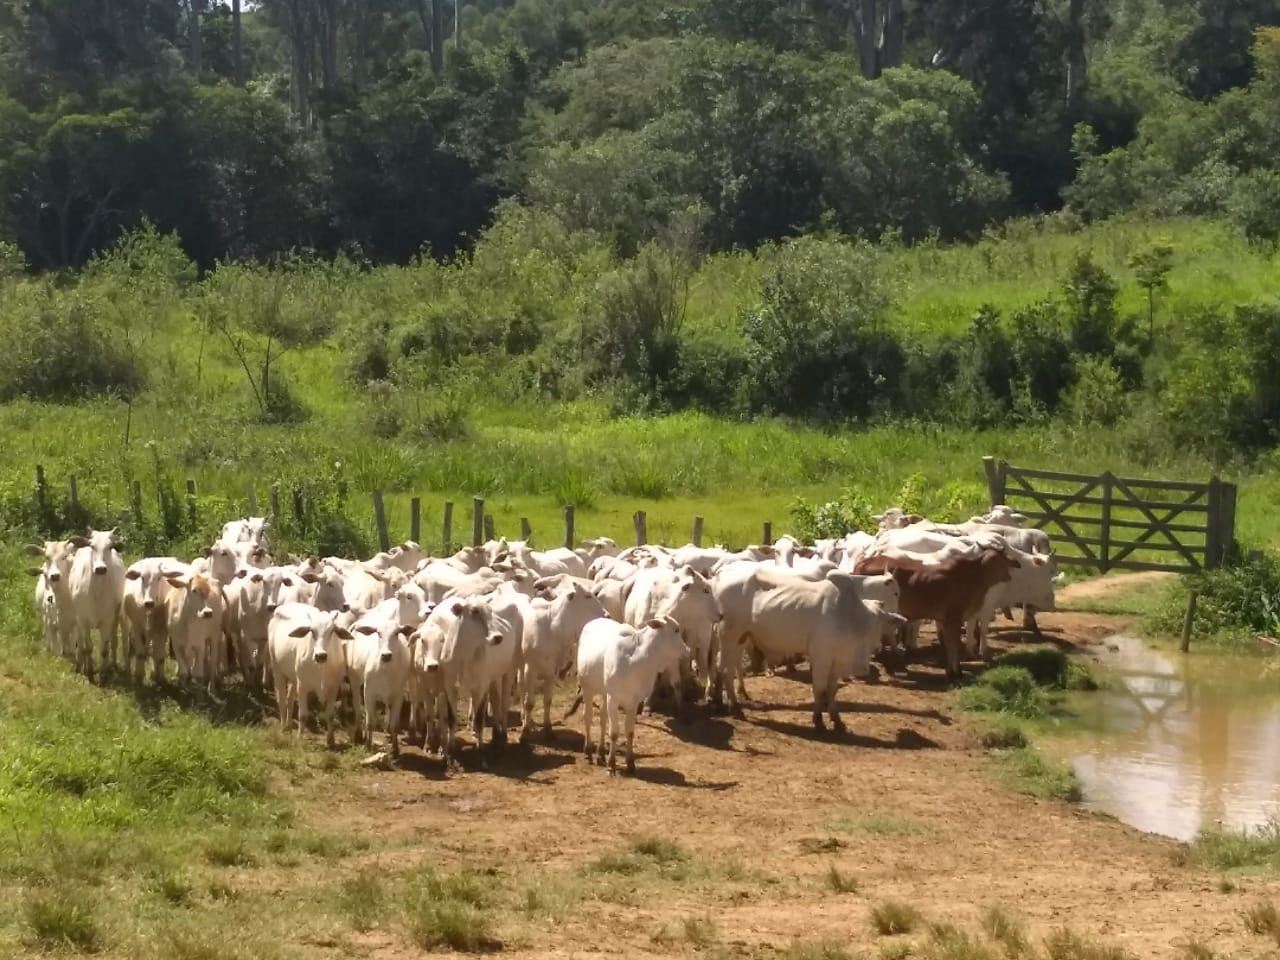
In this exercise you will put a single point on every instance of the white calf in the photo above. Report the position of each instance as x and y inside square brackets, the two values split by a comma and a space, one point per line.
[96, 584]
[308, 655]
[145, 618]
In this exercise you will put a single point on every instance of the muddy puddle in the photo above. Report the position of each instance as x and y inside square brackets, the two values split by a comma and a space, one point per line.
[1178, 744]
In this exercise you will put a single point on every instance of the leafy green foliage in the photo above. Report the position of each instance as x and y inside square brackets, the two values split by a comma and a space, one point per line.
[1006, 689]
[1240, 599]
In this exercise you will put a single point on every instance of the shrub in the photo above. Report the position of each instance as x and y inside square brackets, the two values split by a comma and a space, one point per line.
[1254, 205]
[1002, 733]
[1222, 849]
[1007, 930]
[1262, 919]
[894, 917]
[838, 882]
[1240, 599]
[1098, 395]
[360, 900]
[832, 519]
[54, 350]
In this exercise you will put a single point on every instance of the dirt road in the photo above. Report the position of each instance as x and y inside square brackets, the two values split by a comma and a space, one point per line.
[903, 805]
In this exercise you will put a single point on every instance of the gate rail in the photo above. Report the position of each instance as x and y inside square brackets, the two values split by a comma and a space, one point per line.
[1192, 522]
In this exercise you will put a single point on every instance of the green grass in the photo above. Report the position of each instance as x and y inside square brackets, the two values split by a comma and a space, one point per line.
[63, 919]
[892, 917]
[1223, 849]
[878, 824]
[1007, 689]
[999, 732]
[1006, 929]
[1027, 771]
[449, 910]
[360, 900]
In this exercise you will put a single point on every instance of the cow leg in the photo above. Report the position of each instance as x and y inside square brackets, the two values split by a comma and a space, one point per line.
[303, 697]
[833, 701]
[1029, 620]
[949, 632]
[630, 719]
[1008, 613]
[357, 710]
[548, 689]
[819, 686]
[328, 704]
[393, 724]
[587, 701]
[605, 722]
[615, 728]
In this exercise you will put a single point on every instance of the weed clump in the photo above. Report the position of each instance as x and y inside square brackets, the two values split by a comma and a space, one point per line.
[893, 917]
[61, 919]
[838, 882]
[1007, 689]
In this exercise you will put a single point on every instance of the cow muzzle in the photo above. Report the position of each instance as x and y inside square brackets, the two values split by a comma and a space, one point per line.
[433, 668]
[495, 639]
[148, 604]
[271, 607]
[100, 570]
[386, 656]
[54, 577]
[321, 656]
[205, 614]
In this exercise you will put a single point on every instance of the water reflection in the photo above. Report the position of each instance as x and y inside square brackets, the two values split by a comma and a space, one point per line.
[1176, 744]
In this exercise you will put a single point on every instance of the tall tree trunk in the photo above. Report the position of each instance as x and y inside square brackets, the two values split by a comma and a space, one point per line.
[437, 36]
[360, 50]
[328, 35]
[891, 49]
[193, 31]
[864, 31]
[300, 60]
[1077, 67]
[457, 24]
[237, 46]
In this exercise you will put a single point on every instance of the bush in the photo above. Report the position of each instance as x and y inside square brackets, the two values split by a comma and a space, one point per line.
[832, 519]
[54, 350]
[1254, 205]
[894, 917]
[1098, 395]
[814, 344]
[1238, 600]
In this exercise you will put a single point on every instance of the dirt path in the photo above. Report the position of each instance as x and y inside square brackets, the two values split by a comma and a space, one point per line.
[904, 804]
[1113, 583]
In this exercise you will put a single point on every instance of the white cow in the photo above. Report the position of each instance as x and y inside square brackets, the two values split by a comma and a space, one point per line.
[248, 530]
[378, 670]
[146, 619]
[828, 621]
[546, 563]
[96, 585]
[53, 593]
[620, 663]
[465, 628]
[403, 556]
[549, 647]
[685, 595]
[613, 595]
[194, 609]
[257, 596]
[308, 656]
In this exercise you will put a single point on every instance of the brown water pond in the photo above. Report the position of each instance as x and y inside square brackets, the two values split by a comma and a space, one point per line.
[1175, 744]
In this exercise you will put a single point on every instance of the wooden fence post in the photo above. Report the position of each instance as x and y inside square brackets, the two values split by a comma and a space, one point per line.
[640, 522]
[41, 493]
[1105, 534]
[253, 501]
[995, 493]
[191, 504]
[380, 518]
[568, 525]
[415, 520]
[1227, 523]
[1189, 621]
[488, 527]
[299, 514]
[275, 502]
[446, 535]
[75, 497]
[766, 533]
[526, 532]
[697, 531]
[477, 521]
[135, 502]
[1213, 526]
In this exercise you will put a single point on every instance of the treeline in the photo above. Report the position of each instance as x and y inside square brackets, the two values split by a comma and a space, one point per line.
[385, 130]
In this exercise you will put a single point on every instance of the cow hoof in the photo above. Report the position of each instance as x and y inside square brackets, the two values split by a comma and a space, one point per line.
[838, 725]
[631, 768]
[818, 724]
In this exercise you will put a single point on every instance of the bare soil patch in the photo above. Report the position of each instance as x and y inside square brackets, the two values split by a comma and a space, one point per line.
[902, 805]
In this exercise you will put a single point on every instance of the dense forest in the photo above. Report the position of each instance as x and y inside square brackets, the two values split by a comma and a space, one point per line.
[386, 128]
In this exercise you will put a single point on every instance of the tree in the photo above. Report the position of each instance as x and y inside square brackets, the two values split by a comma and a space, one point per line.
[1151, 266]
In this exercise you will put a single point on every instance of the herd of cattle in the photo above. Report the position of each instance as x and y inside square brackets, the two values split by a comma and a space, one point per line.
[502, 620]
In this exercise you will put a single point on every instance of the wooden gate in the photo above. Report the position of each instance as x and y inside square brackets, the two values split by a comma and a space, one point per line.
[1119, 523]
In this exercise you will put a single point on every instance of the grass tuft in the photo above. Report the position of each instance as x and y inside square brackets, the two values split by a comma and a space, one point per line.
[171, 885]
[228, 850]
[838, 882]
[1000, 732]
[458, 926]
[1065, 944]
[62, 919]
[1007, 930]
[1026, 771]
[660, 850]
[895, 950]
[1195, 950]
[360, 898]
[893, 917]
[813, 845]
[1007, 689]
[946, 942]
[1263, 919]
[816, 950]
[878, 824]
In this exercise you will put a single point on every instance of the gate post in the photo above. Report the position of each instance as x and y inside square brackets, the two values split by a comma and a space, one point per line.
[1213, 525]
[995, 481]
[1105, 554]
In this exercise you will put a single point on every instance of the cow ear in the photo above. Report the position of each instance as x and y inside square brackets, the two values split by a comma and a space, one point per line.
[34, 571]
[78, 542]
[178, 581]
[456, 608]
[342, 633]
[256, 578]
[33, 550]
[366, 629]
[685, 587]
[656, 624]
[133, 575]
[914, 518]
[299, 631]
[406, 630]
[286, 582]
[310, 577]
